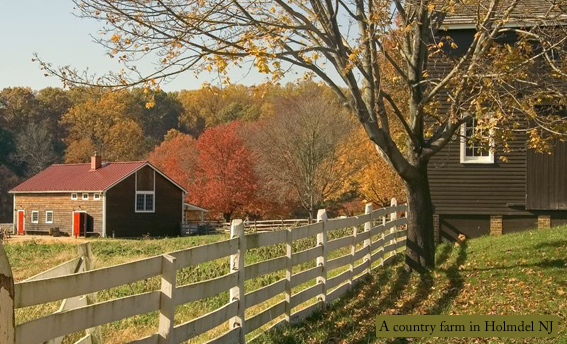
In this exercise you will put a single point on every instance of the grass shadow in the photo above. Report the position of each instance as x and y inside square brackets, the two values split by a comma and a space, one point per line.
[353, 315]
[456, 282]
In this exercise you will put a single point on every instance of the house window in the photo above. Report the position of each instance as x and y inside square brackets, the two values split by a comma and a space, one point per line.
[35, 216]
[144, 201]
[472, 151]
[74, 196]
[96, 197]
[48, 217]
[85, 197]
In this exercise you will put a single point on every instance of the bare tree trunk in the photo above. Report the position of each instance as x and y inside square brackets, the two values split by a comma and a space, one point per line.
[420, 253]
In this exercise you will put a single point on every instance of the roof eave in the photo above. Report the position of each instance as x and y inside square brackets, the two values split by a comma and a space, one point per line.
[468, 25]
[52, 191]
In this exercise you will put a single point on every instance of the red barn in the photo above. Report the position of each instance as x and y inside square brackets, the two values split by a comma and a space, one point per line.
[122, 199]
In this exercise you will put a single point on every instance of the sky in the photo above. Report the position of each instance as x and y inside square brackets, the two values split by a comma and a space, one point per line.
[49, 28]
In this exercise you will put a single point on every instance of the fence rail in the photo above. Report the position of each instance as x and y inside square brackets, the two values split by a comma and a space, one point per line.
[359, 246]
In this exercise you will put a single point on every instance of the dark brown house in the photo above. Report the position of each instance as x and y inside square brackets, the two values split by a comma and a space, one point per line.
[122, 199]
[475, 193]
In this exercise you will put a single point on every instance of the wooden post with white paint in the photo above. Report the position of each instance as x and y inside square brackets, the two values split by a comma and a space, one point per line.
[368, 242]
[85, 252]
[167, 299]
[394, 217]
[322, 260]
[352, 253]
[288, 274]
[7, 313]
[237, 265]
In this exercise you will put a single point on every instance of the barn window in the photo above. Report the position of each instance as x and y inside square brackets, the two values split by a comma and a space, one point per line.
[96, 197]
[145, 184]
[48, 217]
[74, 196]
[35, 216]
[144, 202]
[85, 197]
[473, 151]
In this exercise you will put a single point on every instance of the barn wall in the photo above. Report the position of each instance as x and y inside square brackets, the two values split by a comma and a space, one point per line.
[123, 221]
[547, 181]
[62, 206]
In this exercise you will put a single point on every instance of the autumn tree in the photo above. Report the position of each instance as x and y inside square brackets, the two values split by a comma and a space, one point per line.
[164, 115]
[210, 106]
[225, 180]
[54, 103]
[299, 146]
[347, 46]
[34, 148]
[177, 157]
[105, 124]
[372, 179]
[18, 107]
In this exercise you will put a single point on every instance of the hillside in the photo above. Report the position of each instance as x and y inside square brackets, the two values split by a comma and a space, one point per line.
[522, 273]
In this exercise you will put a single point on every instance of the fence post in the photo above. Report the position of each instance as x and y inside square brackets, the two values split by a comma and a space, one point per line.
[288, 272]
[322, 260]
[368, 242]
[167, 299]
[352, 253]
[7, 314]
[394, 217]
[383, 237]
[86, 253]
[237, 265]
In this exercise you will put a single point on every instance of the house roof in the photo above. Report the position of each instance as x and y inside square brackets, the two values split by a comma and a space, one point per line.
[465, 12]
[189, 206]
[79, 177]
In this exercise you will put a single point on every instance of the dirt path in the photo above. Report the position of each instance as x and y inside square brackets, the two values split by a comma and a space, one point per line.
[43, 239]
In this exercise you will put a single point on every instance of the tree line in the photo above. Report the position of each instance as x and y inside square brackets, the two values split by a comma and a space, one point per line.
[259, 152]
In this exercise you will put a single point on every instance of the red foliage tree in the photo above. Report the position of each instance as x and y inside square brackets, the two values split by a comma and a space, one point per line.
[226, 181]
[176, 156]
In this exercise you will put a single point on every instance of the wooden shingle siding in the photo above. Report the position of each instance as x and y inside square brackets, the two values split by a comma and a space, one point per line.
[123, 221]
[62, 207]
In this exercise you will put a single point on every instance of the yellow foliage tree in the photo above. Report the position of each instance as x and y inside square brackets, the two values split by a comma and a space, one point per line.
[372, 178]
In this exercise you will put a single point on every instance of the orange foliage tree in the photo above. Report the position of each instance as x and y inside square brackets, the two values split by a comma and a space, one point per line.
[373, 179]
[225, 178]
[176, 156]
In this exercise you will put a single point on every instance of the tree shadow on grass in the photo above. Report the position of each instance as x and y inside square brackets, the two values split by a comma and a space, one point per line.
[555, 243]
[353, 315]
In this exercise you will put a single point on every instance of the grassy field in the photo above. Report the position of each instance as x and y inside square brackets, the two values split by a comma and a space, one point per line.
[29, 258]
[523, 273]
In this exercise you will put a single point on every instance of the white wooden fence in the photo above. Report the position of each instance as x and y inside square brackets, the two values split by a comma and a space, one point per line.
[383, 224]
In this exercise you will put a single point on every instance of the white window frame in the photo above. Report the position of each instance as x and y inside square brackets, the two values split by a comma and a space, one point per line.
[74, 196]
[153, 201]
[85, 198]
[46, 218]
[32, 214]
[96, 197]
[489, 159]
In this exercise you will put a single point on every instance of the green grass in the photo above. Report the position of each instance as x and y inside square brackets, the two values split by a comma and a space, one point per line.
[29, 258]
[522, 273]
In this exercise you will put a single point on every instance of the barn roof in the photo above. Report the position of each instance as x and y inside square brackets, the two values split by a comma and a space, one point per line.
[465, 12]
[80, 177]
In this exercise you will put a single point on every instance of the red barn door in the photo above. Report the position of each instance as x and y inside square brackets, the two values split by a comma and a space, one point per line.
[21, 222]
[79, 223]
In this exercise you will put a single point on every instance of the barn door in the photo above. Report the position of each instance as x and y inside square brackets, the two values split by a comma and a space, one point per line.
[21, 222]
[78, 223]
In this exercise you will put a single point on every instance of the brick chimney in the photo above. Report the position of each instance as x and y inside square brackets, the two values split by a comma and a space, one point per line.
[96, 162]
